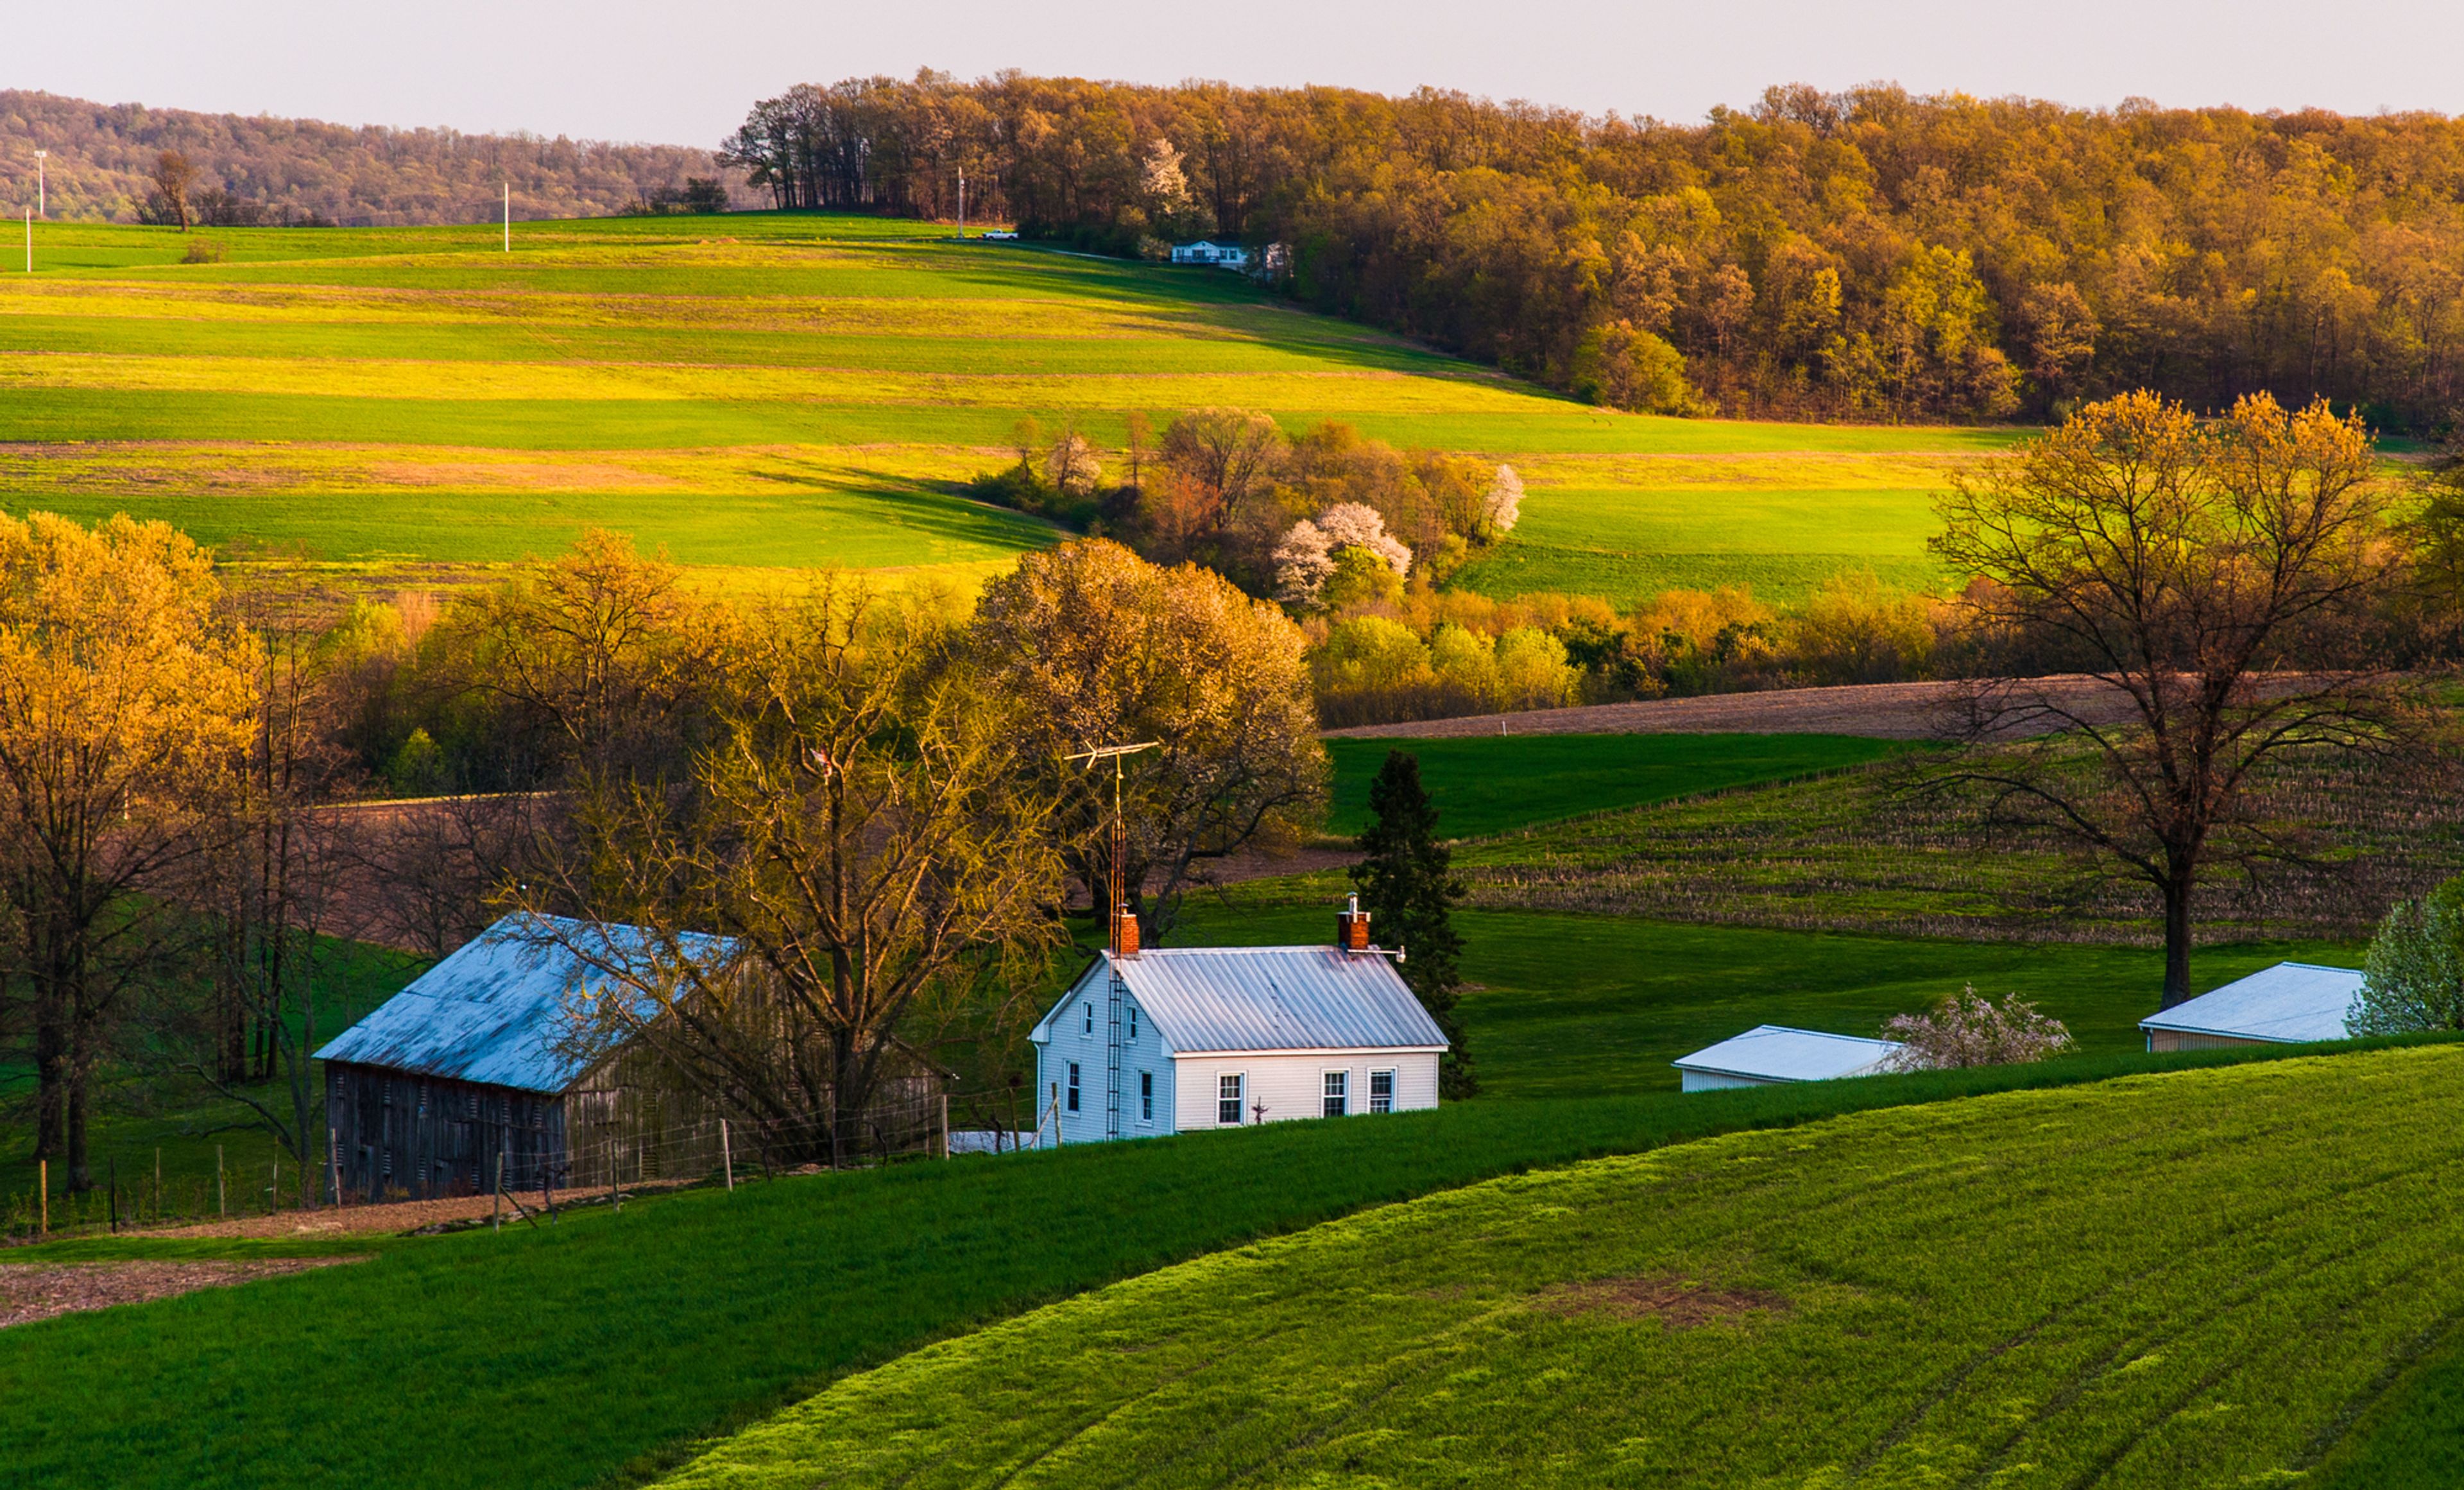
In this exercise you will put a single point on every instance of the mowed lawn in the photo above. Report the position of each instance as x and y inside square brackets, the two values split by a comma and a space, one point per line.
[772, 391]
[1484, 786]
[2197, 1278]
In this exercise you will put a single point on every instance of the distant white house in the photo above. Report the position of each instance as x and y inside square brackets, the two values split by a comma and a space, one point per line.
[1769, 1055]
[1222, 255]
[1180, 1038]
[2288, 1004]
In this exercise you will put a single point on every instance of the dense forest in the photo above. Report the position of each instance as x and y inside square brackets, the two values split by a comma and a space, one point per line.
[1858, 255]
[102, 156]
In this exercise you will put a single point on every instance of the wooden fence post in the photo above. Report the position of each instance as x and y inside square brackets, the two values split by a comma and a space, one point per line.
[503, 1141]
[945, 1125]
[727, 1155]
[334, 1162]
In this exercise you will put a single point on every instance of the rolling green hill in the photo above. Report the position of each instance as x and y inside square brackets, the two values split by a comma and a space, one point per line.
[771, 391]
[2179, 1281]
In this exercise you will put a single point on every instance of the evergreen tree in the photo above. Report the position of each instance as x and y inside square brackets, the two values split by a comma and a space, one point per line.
[1407, 885]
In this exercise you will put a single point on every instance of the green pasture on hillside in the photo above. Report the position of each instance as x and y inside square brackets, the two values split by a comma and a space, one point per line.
[883, 360]
[560, 1357]
[1586, 1006]
[1483, 786]
[2167, 1282]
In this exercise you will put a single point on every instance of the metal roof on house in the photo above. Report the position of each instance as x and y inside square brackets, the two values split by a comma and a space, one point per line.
[1776, 1053]
[2291, 1002]
[1205, 1000]
[494, 1012]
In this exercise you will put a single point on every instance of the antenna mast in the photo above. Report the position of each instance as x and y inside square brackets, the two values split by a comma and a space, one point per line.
[1118, 915]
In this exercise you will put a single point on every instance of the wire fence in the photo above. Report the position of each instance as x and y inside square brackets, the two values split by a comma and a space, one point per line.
[717, 1151]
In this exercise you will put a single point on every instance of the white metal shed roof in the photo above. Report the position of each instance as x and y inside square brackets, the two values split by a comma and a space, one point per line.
[1776, 1053]
[2290, 1003]
[1203, 999]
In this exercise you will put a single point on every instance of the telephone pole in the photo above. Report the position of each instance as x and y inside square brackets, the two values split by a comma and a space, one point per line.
[509, 217]
[42, 206]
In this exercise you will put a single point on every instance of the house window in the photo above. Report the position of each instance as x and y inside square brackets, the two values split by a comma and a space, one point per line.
[1381, 1092]
[1089, 1007]
[1227, 1098]
[1338, 1092]
[1133, 1022]
[1146, 1096]
[1073, 1086]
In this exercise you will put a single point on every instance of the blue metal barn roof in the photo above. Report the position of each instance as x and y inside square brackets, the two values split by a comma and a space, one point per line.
[1776, 1053]
[2291, 1002]
[1204, 999]
[494, 1012]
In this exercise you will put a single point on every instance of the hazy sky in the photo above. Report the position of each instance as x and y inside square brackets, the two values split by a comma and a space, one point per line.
[684, 73]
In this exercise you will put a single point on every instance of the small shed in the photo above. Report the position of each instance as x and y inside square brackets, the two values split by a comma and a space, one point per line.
[1176, 1040]
[1222, 255]
[473, 1065]
[1769, 1055]
[2290, 1003]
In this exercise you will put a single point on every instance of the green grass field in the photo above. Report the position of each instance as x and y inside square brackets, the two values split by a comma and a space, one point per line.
[613, 1342]
[2169, 1281]
[769, 391]
[1487, 786]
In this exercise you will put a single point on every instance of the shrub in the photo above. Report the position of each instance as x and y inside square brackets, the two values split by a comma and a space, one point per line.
[1968, 1029]
[2414, 975]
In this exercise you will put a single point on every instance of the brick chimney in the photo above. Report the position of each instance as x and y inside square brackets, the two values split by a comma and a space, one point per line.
[1125, 931]
[1352, 926]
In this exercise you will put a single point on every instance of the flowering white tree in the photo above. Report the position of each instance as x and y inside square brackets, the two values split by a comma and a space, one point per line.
[1969, 1029]
[1305, 558]
[1072, 467]
[1502, 506]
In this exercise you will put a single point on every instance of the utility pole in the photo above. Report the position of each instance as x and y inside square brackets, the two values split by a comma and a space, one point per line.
[30, 243]
[509, 217]
[42, 205]
[962, 207]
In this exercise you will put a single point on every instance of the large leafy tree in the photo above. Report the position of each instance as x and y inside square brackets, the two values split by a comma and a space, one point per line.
[1406, 881]
[1100, 648]
[125, 697]
[2218, 582]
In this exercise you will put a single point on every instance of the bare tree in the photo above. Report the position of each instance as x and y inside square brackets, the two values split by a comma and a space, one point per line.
[2220, 579]
[173, 176]
[865, 834]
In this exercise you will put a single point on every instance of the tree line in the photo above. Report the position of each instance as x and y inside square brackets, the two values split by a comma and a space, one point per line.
[247, 171]
[1862, 255]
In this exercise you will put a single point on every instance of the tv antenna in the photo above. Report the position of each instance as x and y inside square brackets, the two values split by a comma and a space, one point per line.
[1123, 930]
[1113, 885]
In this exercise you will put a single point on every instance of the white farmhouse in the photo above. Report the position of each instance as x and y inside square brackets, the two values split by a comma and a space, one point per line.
[1769, 1055]
[1184, 1038]
[1222, 255]
[2290, 1003]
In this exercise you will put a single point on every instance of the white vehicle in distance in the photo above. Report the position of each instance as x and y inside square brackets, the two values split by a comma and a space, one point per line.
[1000, 235]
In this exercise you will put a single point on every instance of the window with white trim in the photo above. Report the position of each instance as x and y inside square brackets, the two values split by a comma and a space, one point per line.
[1089, 1007]
[1146, 1096]
[1338, 1093]
[1073, 1086]
[1381, 1092]
[1133, 1022]
[1227, 1098]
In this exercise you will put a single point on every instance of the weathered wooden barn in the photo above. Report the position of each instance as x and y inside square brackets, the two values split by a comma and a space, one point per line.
[475, 1064]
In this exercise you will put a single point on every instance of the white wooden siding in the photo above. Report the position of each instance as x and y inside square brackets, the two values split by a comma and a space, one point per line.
[1071, 1042]
[1294, 1087]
